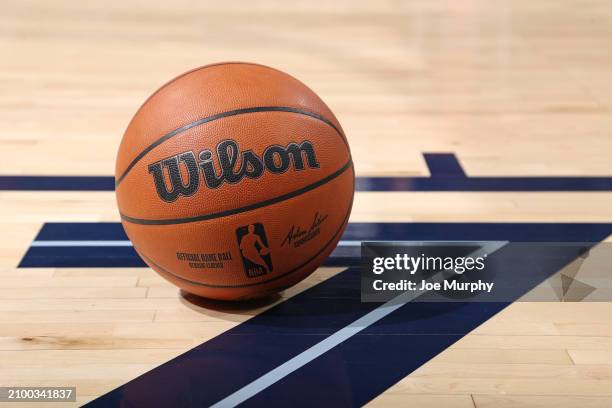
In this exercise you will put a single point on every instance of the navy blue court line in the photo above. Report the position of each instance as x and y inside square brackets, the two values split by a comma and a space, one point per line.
[358, 369]
[443, 165]
[126, 257]
[364, 366]
[57, 183]
[373, 231]
[121, 256]
[475, 184]
[446, 175]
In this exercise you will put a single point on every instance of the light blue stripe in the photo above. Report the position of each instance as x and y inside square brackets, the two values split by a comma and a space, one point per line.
[332, 341]
[123, 243]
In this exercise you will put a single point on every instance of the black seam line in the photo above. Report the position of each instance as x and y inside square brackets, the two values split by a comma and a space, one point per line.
[233, 211]
[221, 116]
[297, 268]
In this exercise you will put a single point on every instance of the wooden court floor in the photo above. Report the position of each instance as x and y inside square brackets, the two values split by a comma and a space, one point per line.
[512, 88]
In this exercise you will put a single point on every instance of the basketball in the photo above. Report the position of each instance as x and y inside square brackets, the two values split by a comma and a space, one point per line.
[234, 180]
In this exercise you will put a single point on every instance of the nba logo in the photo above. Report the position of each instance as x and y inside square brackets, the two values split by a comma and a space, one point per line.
[254, 250]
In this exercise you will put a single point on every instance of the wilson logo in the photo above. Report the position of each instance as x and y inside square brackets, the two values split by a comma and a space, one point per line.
[233, 164]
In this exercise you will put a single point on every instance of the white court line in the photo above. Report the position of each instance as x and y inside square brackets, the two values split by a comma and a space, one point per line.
[124, 243]
[338, 337]
[81, 244]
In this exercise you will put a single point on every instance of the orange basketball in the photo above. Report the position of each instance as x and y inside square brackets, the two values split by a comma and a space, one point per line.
[234, 180]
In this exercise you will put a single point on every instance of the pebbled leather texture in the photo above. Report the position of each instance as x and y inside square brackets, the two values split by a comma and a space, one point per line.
[250, 146]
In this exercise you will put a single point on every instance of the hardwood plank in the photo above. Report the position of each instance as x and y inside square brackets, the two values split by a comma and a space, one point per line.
[539, 401]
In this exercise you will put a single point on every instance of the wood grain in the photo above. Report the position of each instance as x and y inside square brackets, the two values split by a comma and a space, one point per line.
[513, 88]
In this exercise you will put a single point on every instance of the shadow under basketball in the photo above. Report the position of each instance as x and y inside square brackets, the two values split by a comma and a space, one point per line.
[250, 307]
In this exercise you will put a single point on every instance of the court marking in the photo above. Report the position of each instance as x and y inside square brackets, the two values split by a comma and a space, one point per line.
[87, 244]
[371, 360]
[106, 245]
[446, 175]
[335, 339]
[81, 244]
[124, 243]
